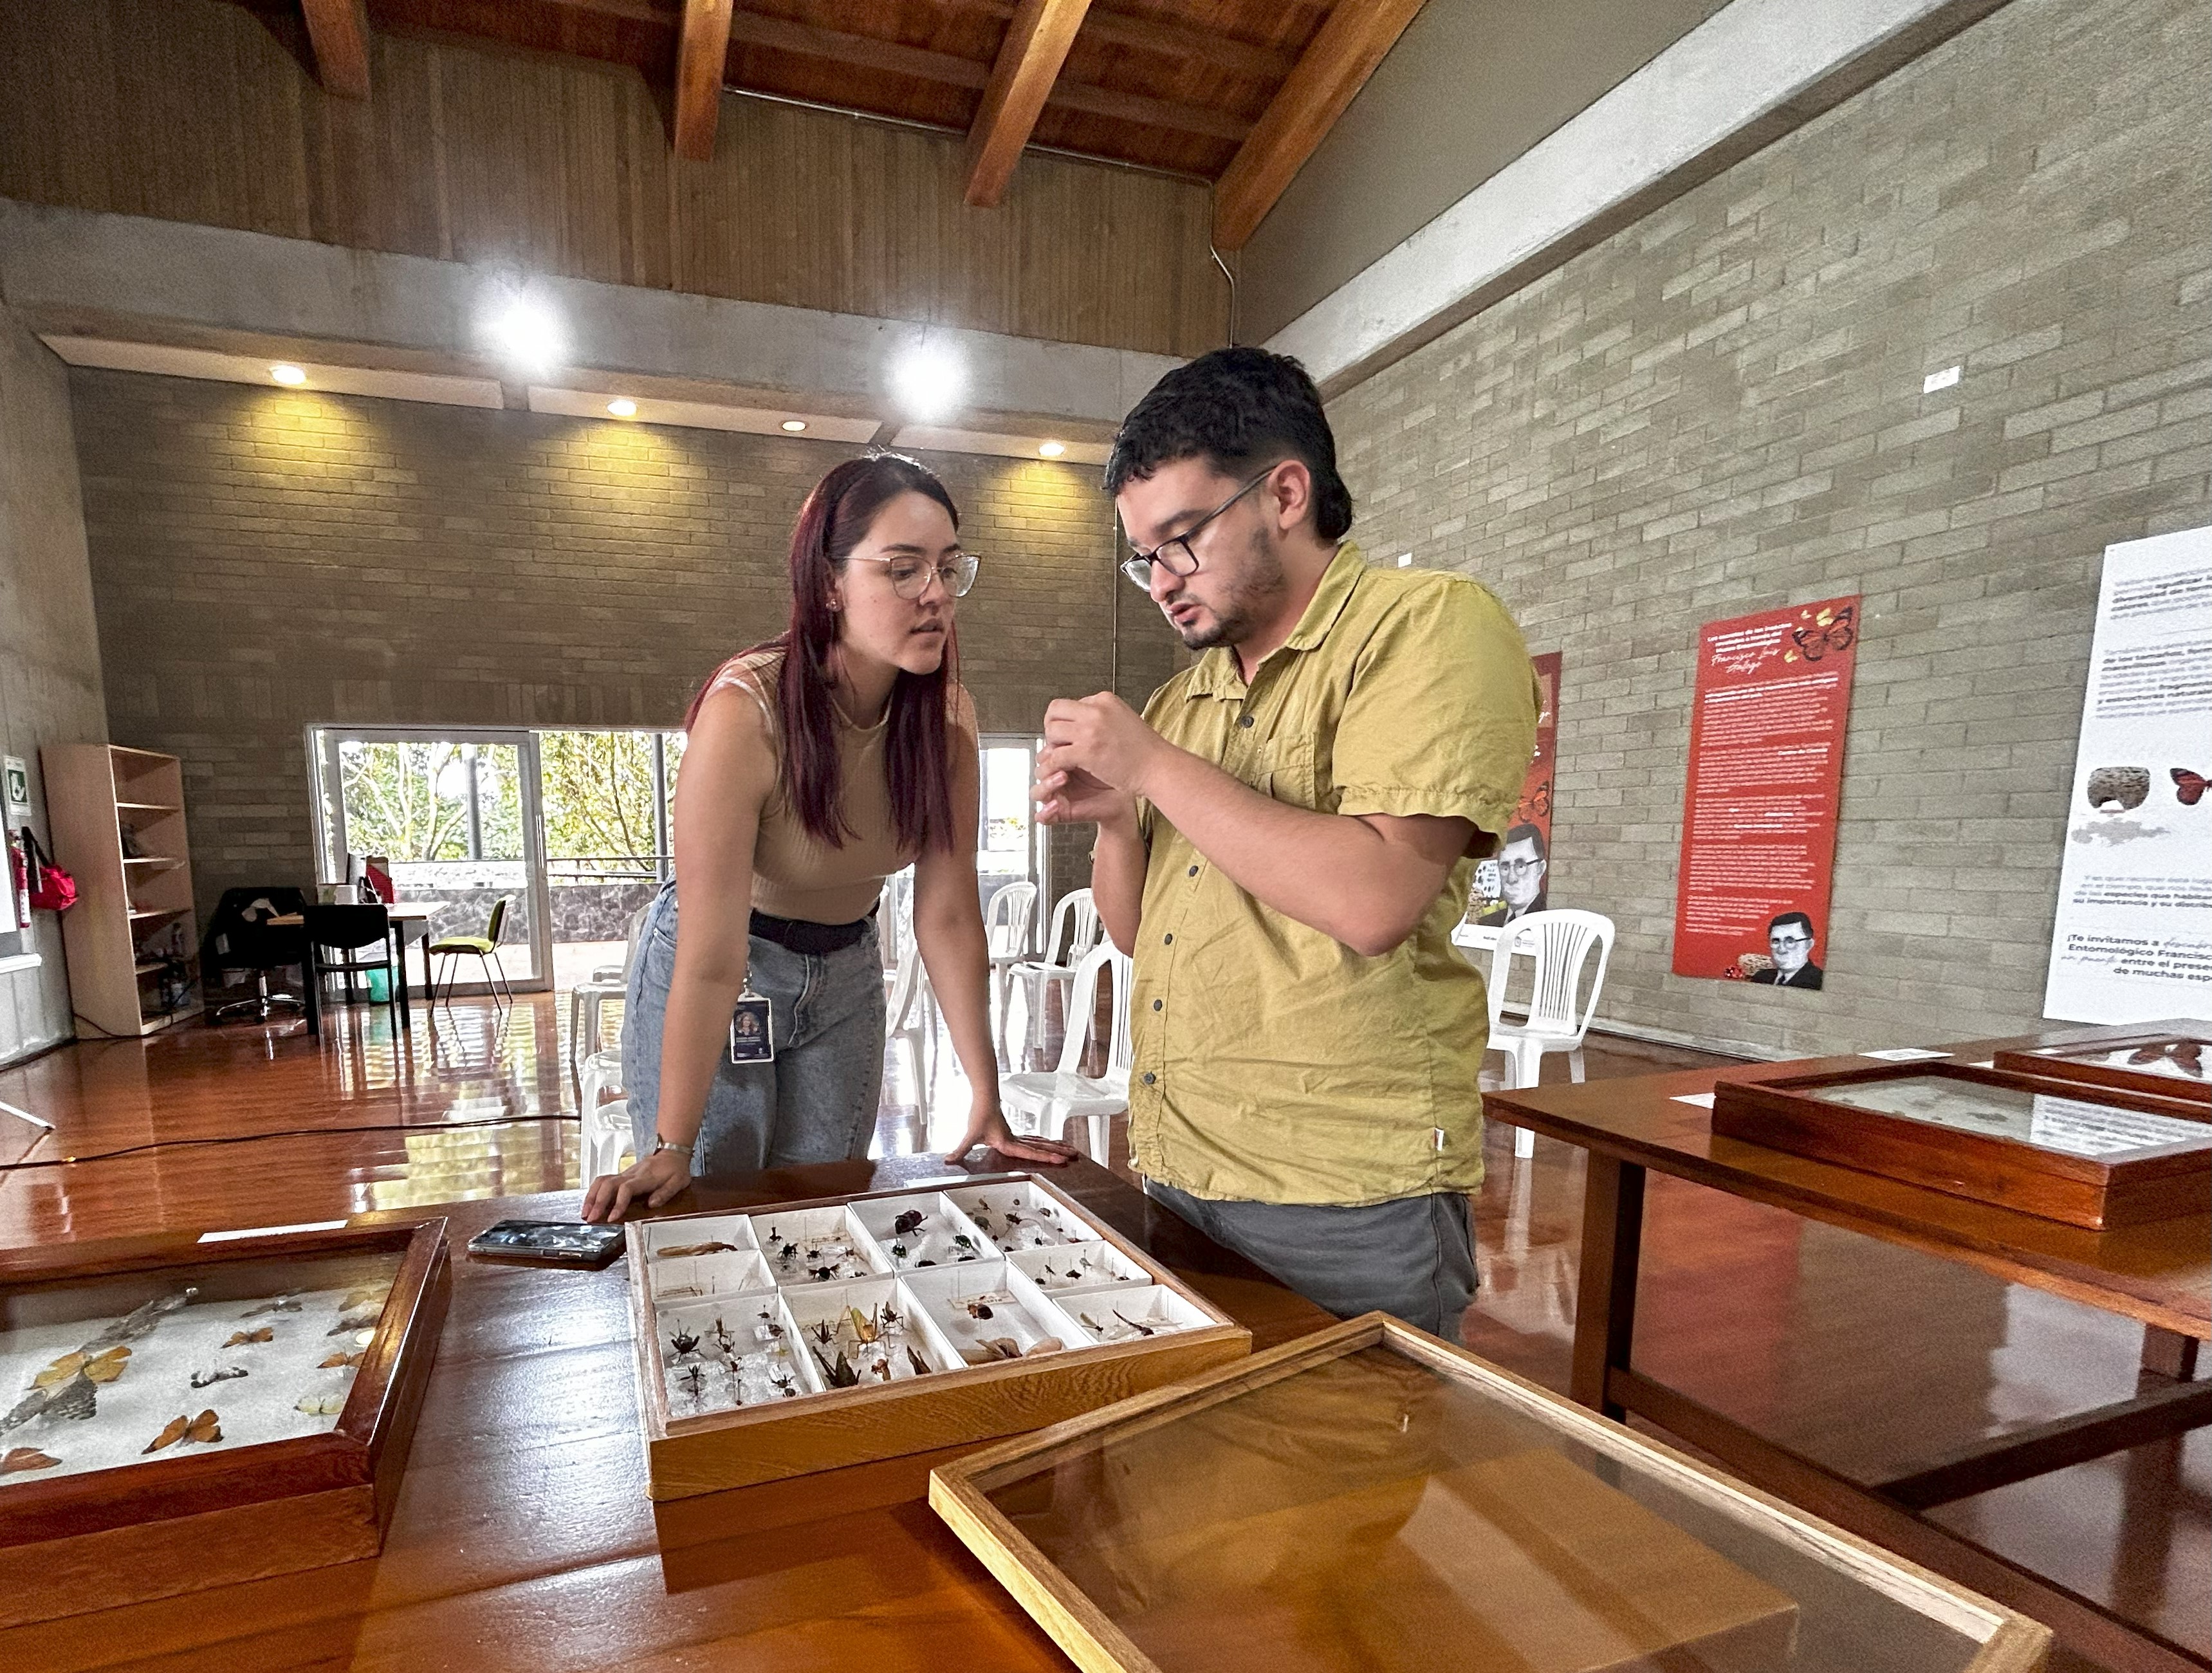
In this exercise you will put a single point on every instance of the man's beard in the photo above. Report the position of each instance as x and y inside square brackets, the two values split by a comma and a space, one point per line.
[1259, 586]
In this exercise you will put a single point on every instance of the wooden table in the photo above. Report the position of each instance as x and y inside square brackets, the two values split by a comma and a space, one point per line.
[403, 919]
[2159, 1274]
[523, 1538]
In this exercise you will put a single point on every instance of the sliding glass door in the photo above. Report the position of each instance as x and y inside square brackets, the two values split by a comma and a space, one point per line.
[608, 798]
[455, 814]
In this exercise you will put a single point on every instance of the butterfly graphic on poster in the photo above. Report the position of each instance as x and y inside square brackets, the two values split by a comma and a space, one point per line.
[2188, 786]
[1837, 633]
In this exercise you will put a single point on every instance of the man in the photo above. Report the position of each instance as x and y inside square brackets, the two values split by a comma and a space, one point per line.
[1789, 939]
[1284, 839]
[1521, 864]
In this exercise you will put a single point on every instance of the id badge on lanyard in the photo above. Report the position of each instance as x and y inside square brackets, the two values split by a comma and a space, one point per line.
[752, 1028]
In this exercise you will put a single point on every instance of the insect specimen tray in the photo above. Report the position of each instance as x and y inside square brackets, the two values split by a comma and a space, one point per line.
[176, 1416]
[778, 1342]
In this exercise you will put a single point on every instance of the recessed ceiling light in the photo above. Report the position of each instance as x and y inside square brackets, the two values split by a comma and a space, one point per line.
[1052, 449]
[794, 425]
[288, 374]
[622, 407]
[929, 381]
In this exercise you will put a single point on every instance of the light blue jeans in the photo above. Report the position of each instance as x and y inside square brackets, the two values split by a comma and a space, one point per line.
[815, 1102]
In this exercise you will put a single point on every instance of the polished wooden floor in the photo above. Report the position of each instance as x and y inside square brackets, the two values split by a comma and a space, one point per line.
[1870, 1357]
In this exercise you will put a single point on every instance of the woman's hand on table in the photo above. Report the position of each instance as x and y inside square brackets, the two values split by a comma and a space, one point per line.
[652, 1182]
[987, 1125]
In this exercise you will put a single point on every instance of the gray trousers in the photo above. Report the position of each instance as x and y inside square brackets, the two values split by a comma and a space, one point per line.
[1413, 1258]
[815, 1102]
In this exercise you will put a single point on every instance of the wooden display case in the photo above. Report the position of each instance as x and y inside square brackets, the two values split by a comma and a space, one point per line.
[2172, 1060]
[841, 1331]
[2088, 1156]
[1364, 1497]
[149, 1479]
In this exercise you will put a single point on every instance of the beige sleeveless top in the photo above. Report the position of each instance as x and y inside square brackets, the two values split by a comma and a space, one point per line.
[794, 875]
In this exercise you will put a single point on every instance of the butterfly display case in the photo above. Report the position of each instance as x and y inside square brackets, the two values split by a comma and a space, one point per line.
[177, 1414]
[2172, 1060]
[1369, 1498]
[2090, 1156]
[810, 1335]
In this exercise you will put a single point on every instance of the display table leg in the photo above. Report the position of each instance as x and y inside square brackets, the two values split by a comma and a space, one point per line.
[1604, 1297]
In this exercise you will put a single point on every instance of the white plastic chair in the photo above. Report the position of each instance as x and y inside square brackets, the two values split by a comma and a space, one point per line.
[909, 1019]
[1053, 1100]
[608, 981]
[1560, 944]
[1006, 937]
[606, 1132]
[1077, 915]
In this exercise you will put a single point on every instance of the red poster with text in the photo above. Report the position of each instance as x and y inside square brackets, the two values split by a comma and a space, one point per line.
[1516, 880]
[1767, 768]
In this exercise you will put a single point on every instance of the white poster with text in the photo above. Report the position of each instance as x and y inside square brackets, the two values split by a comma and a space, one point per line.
[2132, 941]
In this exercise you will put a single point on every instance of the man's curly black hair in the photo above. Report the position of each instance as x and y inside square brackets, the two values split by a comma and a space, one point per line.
[1240, 409]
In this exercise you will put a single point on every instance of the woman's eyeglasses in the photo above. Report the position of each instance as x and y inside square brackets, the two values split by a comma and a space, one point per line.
[1175, 555]
[909, 576]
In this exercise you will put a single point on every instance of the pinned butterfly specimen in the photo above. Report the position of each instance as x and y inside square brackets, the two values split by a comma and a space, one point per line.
[287, 1303]
[360, 1318]
[921, 1366]
[339, 1362]
[204, 1380]
[321, 1405]
[684, 1250]
[74, 1402]
[204, 1428]
[909, 1223]
[2188, 786]
[98, 1367]
[140, 1320]
[25, 1458]
[240, 1338]
[362, 1295]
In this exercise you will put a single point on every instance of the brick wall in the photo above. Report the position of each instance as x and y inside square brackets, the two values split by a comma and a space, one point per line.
[265, 560]
[50, 693]
[1719, 410]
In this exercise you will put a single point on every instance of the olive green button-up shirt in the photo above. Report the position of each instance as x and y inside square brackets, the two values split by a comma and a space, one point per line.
[1271, 1062]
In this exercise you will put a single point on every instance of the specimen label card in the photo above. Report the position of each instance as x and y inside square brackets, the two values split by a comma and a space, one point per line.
[2132, 938]
[1758, 816]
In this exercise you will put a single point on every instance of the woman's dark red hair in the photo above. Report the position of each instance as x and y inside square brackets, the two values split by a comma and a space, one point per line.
[835, 520]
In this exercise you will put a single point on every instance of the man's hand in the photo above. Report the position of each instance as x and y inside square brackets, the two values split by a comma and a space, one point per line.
[652, 1182]
[987, 1125]
[1098, 752]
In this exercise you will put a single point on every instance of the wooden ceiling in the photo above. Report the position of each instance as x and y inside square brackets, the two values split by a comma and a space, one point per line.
[1235, 92]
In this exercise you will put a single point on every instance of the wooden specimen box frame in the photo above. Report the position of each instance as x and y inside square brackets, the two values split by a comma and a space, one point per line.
[2076, 1062]
[769, 1441]
[2122, 1186]
[1556, 1515]
[187, 1522]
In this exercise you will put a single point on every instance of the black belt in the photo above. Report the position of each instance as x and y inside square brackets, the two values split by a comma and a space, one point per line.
[815, 940]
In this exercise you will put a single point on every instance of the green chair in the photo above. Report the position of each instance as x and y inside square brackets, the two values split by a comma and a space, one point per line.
[484, 948]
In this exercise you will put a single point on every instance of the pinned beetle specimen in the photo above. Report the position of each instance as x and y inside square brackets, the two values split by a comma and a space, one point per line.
[962, 1240]
[909, 1223]
[979, 1309]
[684, 1341]
[824, 1274]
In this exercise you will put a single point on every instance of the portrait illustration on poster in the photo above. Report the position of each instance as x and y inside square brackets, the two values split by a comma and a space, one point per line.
[1758, 816]
[1514, 881]
[2131, 940]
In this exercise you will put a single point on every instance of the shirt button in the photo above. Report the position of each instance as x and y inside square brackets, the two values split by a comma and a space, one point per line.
[1167, 940]
[1245, 721]
[1157, 1004]
[1150, 1078]
[1193, 871]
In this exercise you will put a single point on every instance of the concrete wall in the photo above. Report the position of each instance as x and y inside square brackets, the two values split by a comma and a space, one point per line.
[1719, 409]
[50, 687]
[264, 560]
[1469, 87]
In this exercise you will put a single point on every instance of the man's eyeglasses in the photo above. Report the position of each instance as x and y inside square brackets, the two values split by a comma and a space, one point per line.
[1174, 554]
[909, 576]
[1789, 940]
[1517, 867]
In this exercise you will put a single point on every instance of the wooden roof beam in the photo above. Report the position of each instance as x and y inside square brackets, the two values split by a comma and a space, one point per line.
[702, 51]
[1357, 36]
[337, 30]
[1028, 64]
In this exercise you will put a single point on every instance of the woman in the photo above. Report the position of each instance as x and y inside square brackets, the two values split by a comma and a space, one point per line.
[816, 765]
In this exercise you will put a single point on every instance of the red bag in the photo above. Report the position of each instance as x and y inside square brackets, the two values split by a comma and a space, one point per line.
[50, 889]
